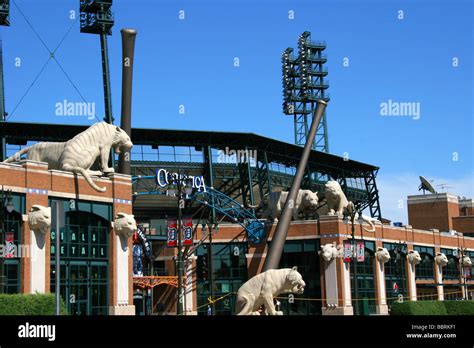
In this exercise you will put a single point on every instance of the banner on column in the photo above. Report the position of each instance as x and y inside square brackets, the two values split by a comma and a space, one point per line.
[187, 231]
[360, 252]
[467, 272]
[347, 251]
[9, 245]
[172, 233]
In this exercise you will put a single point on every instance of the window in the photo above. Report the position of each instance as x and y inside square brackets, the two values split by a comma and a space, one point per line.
[11, 227]
[229, 266]
[425, 269]
[451, 270]
[303, 254]
[82, 237]
[395, 272]
[84, 261]
[365, 298]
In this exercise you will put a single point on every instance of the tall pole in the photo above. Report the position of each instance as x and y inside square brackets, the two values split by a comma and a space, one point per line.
[461, 251]
[3, 114]
[211, 270]
[58, 222]
[354, 259]
[128, 48]
[104, 50]
[2, 238]
[278, 242]
[179, 305]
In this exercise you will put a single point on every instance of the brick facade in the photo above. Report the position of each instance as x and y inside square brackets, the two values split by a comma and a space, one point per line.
[37, 183]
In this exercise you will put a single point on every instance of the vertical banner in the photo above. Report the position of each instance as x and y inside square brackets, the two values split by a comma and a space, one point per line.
[187, 231]
[172, 233]
[360, 252]
[9, 245]
[347, 251]
[467, 272]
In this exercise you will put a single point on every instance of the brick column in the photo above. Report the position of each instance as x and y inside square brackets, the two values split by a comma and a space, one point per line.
[120, 251]
[411, 281]
[438, 268]
[35, 272]
[381, 306]
[410, 268]
[337, 285]
[191, 304]
[439, 281]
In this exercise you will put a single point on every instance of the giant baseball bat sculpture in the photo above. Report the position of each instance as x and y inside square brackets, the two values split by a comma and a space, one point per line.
[276, 248]
[128, 48]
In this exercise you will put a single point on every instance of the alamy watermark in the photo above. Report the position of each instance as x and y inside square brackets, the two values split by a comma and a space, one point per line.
[68, 108]
[10, 250]
[237, 156]
[394, 108]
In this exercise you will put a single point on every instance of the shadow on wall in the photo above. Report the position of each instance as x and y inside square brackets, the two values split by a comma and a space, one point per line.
[164, 299]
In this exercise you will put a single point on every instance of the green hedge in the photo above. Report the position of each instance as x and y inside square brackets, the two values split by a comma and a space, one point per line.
[433, 308]
[29, 304]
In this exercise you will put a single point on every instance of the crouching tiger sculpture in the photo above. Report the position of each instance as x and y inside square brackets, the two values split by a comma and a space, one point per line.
[87, 153]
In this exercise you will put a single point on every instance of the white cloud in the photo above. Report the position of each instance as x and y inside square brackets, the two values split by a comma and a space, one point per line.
[394, 189]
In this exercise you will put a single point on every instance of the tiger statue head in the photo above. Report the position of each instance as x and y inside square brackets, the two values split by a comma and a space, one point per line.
[382, 255]
[465, 261]
[441, 259]
[414, 257]
[121, 142]
[125, 225]
[39, 218]
[295, 281]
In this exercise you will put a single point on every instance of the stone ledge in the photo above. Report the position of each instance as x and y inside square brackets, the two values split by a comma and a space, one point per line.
[122, 310]
[381, 309]
[11, 166]
[27, 163]
[325, 218]
[347, 310]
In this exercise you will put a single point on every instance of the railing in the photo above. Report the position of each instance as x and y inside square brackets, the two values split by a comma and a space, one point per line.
[149, 282]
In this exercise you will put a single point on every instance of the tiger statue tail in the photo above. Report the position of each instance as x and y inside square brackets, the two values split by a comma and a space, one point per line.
[16, 156]
[85, 174]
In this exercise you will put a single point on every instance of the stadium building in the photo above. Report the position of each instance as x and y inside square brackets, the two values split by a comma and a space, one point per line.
[235, 258]
[226, 242]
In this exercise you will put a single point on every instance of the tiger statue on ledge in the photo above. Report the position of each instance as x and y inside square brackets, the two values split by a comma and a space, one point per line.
[87, 153]
[264, 287]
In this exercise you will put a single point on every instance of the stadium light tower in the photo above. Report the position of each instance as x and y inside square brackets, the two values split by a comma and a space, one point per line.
[4, 21]
[303, 85]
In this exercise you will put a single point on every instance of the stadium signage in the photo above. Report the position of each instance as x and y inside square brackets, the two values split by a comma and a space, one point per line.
[164, 178]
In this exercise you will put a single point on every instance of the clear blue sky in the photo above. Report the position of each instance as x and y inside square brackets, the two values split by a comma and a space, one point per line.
[190, 62]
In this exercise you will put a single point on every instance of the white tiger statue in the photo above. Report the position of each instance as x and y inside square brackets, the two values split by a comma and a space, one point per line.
[337, 203]
[335, 198]
[306, 202]
[39, 218]
[382, 254]
[264, 287]
[330, 252]
[441, 259]
[414, 257]
[465, 261]
[87, 153]
[125, 225]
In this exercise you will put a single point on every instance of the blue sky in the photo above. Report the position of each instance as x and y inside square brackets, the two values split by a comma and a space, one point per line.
[190, 62]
